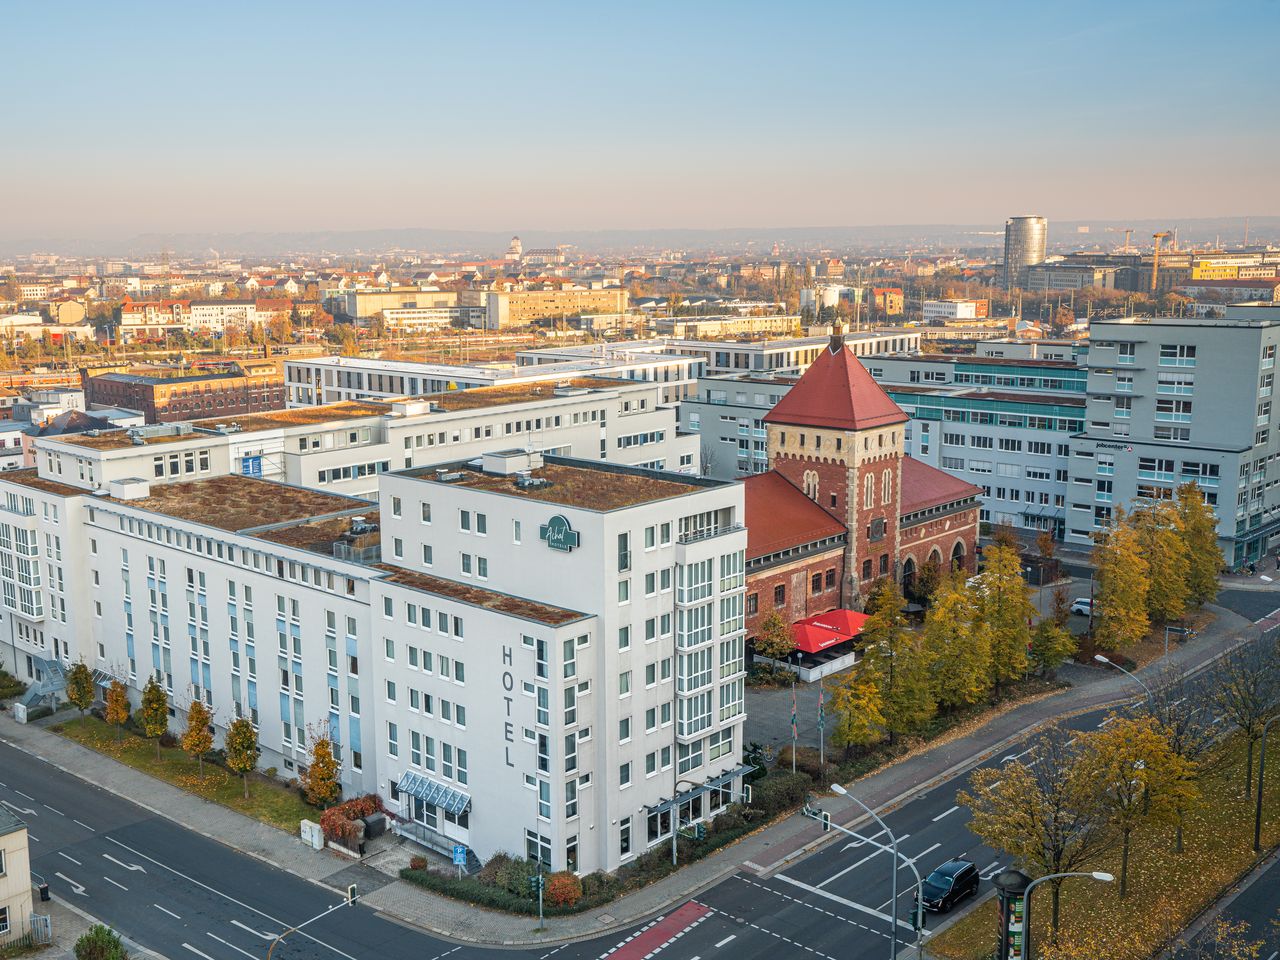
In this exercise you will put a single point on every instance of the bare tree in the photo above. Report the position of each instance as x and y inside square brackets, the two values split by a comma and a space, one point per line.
[1245, 689]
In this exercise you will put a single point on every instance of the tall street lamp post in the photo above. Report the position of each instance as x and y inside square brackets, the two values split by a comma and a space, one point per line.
[1026, 937]
[1132, 676]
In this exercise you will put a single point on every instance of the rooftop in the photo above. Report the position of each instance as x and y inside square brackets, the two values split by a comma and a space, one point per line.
[118, 439]
[480, 597]
[837, 392]
[29, 478]
[924, 486]
[781, 516]
[296, 417]
[598, 486]
[235, 503]
[506, 394]
[319, 536]
[10, 822]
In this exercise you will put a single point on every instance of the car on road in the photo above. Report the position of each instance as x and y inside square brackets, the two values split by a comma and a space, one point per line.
[1082, 606]
[949, 883]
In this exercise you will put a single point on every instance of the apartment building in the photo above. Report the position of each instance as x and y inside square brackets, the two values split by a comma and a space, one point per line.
[1074, 276]
[605, 684]
[345, 447]
[1172, 400]
[712, 328]
[505, 309]
[15, 877]
[941, 311]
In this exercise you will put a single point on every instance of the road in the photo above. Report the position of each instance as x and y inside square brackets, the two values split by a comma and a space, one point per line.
[1258, 906]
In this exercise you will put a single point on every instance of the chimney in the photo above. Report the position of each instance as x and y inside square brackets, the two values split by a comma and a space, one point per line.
[837, 336]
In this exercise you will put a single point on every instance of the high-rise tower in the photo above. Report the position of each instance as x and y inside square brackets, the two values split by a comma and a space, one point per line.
[1024, 245]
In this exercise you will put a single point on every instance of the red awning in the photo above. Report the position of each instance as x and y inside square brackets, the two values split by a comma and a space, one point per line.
[814, 639]
[847, 623]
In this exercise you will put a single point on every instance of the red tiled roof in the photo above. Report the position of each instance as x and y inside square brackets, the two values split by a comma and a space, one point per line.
[925, 486]
[836, 392]
[780, 516]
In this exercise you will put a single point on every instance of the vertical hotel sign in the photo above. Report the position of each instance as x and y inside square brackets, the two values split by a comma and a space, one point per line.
[558, 534]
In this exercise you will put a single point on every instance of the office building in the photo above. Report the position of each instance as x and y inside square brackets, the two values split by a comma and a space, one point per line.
[520, 308]
[1072, 276]
[943, 311]
[245, 388]
[1024, 247]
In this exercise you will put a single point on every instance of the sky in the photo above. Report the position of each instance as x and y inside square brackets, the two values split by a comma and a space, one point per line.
[134, 117]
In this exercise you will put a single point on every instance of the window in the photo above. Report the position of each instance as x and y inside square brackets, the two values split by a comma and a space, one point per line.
[624, 837]
[624, 775]
[624, 683]
[779, 595]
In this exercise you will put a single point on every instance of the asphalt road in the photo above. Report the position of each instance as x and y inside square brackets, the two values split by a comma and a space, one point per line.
[1259, 907]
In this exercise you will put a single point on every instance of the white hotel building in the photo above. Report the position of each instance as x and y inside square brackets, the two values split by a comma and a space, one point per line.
[524, 656]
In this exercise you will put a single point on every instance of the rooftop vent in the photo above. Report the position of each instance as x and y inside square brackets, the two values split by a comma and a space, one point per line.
[445, 475]
[361, 526]
[505, 463]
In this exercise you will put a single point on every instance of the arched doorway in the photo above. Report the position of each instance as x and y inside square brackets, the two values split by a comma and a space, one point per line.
[957, 556]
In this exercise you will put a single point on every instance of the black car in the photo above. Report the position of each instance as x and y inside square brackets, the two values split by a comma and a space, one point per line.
[950, 883]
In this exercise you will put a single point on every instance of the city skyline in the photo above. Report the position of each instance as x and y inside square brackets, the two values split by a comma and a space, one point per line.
[284, 120]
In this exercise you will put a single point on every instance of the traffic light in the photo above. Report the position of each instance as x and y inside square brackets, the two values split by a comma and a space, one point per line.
[700, 831]
[746, 793]
[826, 821]
[351, 893]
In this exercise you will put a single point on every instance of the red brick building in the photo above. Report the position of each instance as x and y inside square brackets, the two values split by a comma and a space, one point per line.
[250, 386]
[843, 505]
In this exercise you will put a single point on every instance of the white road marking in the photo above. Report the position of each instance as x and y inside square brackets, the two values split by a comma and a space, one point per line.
[1110, 719]
[76, 888]
[114, 884]
[58, 812]
[198, 953]
[32, 836]
[990, 870]
[945, 813]
[732, 936]
[1274, 955]
[837, 876]
[996, 784]
[251, 956]
[919, 855]
[121, 863]
[841, 900]
[862, 841]
[228, 897]
[27, 795]
[72, 859]
[249, 929]
[17, 809]
[169, 912]
[85, 825]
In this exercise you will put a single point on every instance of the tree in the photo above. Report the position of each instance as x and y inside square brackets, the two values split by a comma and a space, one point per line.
[1225, 940]
[153, 714]
[197, 740]
[926, 580]
[1046, 546]
[774, 638]
[1051, 645]
[1199, 529]
[1138, 776]
[117, 706]
[1186, 717]
[1168, 560]
[241, 746]
[321, 778]
[1004, 535]
[80, 686]
[1044, 812]
[897, 659]
[1120, 600]
[1245, 688]
[1060, 606]
[858, 705]
[958, 645]
[100, 943]
[1004, 607]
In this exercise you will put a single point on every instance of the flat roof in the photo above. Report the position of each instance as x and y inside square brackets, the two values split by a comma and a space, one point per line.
[954, 358]
[480, 597]
[296, 416]
[235, 503]
[118, 439]
[30, 478]
[572, 483]
[10, 822]
[505, 394]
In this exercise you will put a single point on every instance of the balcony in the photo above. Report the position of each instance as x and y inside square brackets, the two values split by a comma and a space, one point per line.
[696, 536]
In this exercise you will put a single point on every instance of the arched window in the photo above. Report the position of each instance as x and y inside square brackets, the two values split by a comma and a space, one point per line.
[957, 555]
[886, 487]
[908, 576]
[811, 484]
[868, 491]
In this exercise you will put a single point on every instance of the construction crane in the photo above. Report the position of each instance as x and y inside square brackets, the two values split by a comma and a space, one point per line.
[1155, 257]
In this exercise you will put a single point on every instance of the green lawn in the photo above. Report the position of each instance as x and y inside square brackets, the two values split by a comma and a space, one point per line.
[1166, 889]
[269, 801]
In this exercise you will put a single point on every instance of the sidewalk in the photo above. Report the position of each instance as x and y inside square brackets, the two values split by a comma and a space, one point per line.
[761, 852]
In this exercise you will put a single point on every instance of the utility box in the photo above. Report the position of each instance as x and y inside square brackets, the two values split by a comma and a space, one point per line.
[312, 835]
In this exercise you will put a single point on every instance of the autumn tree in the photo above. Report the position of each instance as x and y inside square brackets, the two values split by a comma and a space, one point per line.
[241, 746]
[320, 781]
[1003, 602]
[1139, 778]
[80, 687]
[896, 657]
[1186, 717]
[1005, 535]
[1044, 812]
[153, 714]
[1168, 560]
[858, 706]
[958, 645]
[117, 712]
[1051, 645]
[1060, 606]
[197, 740]
[1245, 688]
[926, 580]
[1199, 528]
[1120, 600]
[774, 638]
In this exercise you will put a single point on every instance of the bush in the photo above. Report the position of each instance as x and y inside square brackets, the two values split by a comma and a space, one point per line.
[489, 872]
[39, 713]
[514, 875]
[11, 686]
[337, 821]
[417, 863]
[563, 889]
[100, 943]
[270, 772]
[780, 791]
[807, 762]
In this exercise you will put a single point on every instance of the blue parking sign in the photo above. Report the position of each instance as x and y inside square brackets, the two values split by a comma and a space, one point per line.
[459, 855]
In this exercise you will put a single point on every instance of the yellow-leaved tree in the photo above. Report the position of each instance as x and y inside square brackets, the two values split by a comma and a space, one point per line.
[197, 739]
[320, 781]
[958, 644]
[1120, 600]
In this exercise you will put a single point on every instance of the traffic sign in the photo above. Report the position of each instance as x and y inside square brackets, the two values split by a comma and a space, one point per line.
[459, 855]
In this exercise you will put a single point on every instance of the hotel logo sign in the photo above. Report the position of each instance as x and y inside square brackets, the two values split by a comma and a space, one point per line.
[558, 534]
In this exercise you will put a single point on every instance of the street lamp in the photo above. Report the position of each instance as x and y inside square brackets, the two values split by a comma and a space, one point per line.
[1026, 910]
[1262, 769]
[893, 910]
[1133, 676]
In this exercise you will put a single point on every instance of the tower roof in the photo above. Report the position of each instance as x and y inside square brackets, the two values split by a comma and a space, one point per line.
[837, 392]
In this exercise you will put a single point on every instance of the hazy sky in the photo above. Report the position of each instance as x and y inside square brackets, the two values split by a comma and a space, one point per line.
[127, 117]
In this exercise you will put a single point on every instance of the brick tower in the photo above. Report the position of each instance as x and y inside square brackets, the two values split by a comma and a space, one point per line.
[838, 438]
